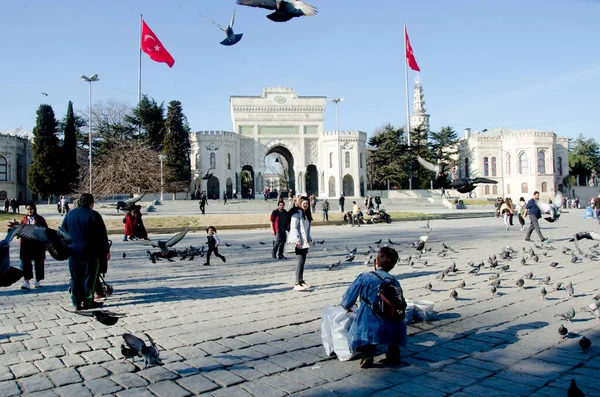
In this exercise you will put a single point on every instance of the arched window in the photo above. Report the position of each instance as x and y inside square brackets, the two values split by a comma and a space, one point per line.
[486, 167]
[541, 161]
[523, 164]
[228, 161]
[544, 187]
[486, 189]
[213, 160]
[495, 189]
[347, 159]
[524, 188]
[361, 160]
[508, 168]
[466, 168]
[493, 166]
[330, 160]
[3, 169]
[559, 165]
[508, 188]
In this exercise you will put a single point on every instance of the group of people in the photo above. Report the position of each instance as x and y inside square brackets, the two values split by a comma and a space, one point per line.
[506, 209]
[62, 205]
[134, 225]
[13, 204]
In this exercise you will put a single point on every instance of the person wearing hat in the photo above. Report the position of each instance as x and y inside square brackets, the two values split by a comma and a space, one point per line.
[213, 245]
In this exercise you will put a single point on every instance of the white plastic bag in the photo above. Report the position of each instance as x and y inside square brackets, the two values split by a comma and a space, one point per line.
[335, 326]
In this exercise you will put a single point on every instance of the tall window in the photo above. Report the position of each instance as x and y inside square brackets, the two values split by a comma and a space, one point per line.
[466, 168]
[330, 160]
[523, 164]
[559, 165]
[486, 189]
[495, 189]
[508, 169]
[493, 166]
[213, 160]
[544, 187]
[524, 188]
[228, 161]
[3, 169]
[361, 160]
[198, 163]
[541, 161]
[508, 188]
[347, 159]
[19, 168]
[486, 167]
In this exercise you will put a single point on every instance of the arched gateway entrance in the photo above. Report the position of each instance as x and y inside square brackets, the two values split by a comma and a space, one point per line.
[279, 171]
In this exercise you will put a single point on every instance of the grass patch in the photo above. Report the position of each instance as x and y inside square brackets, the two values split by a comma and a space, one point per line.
[478, 202]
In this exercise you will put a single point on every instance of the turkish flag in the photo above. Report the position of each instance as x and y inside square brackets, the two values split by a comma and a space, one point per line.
[410, 57]
[152, 46]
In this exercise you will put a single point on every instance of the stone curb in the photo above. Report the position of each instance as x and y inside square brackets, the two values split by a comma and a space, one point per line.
[166, 230]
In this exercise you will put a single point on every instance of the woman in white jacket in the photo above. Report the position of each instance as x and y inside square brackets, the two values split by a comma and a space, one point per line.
[299, 237]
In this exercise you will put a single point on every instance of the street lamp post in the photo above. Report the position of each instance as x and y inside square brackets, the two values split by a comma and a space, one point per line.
[337, 130]
[162, 158]
[337, 102]
[90, 80]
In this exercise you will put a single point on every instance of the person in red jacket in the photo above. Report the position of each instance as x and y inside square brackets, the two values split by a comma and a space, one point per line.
[32, 251]
[129, 225]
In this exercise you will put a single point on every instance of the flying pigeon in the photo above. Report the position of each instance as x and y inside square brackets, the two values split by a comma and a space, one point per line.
[44, 93]
[551, 212]
[284, 9]
[8, 274]
[420, 243]
[56, 241]
[165, 245]
[137, 345]
[128, 205]
[440, 170]
[230, 37]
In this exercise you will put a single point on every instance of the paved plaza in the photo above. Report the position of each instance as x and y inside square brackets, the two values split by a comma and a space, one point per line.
[238, 329]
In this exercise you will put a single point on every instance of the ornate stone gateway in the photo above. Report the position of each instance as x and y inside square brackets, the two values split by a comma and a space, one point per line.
[290, 127]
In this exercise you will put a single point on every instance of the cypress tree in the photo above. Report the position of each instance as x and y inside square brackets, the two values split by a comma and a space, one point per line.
[176, 146]
[70, 168]
[44, 173]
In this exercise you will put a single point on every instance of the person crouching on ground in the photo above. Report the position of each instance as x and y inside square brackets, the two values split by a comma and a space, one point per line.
[213, 245]
[368, 329]
[299, 236]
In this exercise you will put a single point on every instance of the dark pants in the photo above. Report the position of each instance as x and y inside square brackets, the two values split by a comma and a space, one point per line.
[280, 239]
[535, 225]
[27, 267]
[84, 274]
[326, 215]
[300, 261]
[521, 220]
[202, 208]
[216, 251]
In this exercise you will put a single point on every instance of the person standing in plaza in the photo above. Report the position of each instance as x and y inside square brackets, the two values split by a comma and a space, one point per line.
[89, 243]
[325, 209]
[300, 238]
[224, 197]
[203, 202]
[213, 245]
[6, 204]
[313, 203]
[341, 203]
[32, 250]
[279, 228]
[522, 212]
[534, 215]
[377, 202]
[507, 211]
[597, 208]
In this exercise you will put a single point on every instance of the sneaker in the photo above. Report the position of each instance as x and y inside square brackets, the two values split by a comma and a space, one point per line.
[274, 256]
[391, 360]
[544, 239]
[305, 284]
[528, 239]
[206, 264]
[26, 285]
[366, 362]
[92, 305]
[282, 257]
[224, 259]
[299, 287]
[124, 238]
[37, 284]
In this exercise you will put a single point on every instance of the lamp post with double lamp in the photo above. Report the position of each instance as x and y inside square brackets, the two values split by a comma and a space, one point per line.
[337, 102]
[337, 130]
[90, 80]
[162, 158]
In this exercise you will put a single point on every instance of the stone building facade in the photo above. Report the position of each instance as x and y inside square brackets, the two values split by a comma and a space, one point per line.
[522, 161]
[15, 156]
[324, 163]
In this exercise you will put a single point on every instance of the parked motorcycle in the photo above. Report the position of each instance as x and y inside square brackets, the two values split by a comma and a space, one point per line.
[382, 216]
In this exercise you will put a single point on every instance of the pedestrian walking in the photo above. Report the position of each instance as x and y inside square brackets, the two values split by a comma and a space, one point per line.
[279, 228]
[32, 250]
[89, 243]
[377, 202]
[507, 211]
[325, 209]
[203, 202]
[224, 197]
[341, 203]
[534, 215]
[313, 204]
[522, 212]
[300, 239]
[6, 204]
[213, 245]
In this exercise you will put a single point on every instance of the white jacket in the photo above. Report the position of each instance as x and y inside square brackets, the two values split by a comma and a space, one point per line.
[299, 230]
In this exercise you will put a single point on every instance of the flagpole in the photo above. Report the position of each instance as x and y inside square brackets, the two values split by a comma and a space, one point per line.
[407, 110]
[140, 70]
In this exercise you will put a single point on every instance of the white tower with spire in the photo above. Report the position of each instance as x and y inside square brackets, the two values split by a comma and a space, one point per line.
[419, 117]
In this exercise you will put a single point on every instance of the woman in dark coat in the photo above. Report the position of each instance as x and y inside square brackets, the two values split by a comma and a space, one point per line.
[138, 227]
[32, 251]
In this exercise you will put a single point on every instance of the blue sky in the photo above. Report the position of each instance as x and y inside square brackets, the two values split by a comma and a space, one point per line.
[485, 64]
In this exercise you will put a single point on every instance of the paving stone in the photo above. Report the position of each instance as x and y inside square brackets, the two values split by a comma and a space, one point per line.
[417, 390]
[24, 370]
[304, 378]
[90, 372]
[157, 374]
[246, 372]
[73, 361]
[43, 393]
[10, 359]
[198, 384]
[36, 383]
[65, 376]
[9, 388]
[75, 390]
[49, 364]
[181, 369]
[97, 356]
[35, 343]
[119, 367]
[102, 386]
[204, 363]
[487, 391]
[129, 380]
[5, 373]
[30, 356]
[100, 344]
[282, 383]
[137, 392]
[265, 366]
[497, 383]
[168, 389]
[189, 352]
[234, 391]
[344, 388]
[223, 377]
[259, 388]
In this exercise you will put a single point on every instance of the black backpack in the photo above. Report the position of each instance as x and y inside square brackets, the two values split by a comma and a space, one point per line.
[390, 302]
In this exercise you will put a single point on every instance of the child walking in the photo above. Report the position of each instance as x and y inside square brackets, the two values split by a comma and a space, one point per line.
[213, 245]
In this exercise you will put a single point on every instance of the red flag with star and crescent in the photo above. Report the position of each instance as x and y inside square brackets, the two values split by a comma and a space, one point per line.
[152, 46]
[410, 57]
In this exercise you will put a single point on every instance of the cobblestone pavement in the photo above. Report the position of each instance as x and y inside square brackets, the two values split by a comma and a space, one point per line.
[238, 329]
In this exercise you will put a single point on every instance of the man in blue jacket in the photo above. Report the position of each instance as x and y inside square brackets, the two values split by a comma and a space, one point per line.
[534, 214]
[90, 244]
